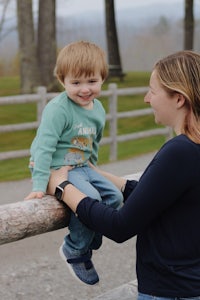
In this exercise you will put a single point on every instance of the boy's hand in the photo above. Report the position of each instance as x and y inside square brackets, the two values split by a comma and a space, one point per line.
[34, 195]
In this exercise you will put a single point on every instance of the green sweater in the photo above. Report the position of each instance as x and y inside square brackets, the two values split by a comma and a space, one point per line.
[68, 135]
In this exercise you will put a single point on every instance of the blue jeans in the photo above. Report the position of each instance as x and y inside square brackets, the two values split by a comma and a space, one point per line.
[150, 297]
[94, 185]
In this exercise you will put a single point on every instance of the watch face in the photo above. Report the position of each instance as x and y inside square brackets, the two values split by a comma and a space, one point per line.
[58, 193]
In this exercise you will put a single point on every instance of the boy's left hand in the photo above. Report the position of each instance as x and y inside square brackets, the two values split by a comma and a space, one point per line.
[34, 195]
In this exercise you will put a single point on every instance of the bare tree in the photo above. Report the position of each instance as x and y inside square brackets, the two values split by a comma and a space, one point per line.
[29, 73]
[188, 25]
[47, 43]
[3, 13]
[4, 31]
[37, 56]
[114, 60]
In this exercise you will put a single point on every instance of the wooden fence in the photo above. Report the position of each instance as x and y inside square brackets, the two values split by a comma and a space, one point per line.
[42, 97]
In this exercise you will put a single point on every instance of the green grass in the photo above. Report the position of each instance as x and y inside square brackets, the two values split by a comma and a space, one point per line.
[9, 86]
[17, 169]
[14, 169]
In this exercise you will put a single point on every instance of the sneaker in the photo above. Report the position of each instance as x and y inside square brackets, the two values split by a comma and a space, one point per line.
[81, 267]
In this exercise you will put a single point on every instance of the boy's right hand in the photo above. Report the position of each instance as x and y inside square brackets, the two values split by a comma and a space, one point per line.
[34, 195]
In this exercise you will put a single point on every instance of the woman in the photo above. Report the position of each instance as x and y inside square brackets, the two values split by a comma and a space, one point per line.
[163, 208]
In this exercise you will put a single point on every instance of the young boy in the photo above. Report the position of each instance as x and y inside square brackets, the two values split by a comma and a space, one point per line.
[69, 134]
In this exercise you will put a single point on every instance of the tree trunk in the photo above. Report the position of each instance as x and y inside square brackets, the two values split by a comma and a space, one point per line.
[47, 43]
[188, 25]
[27, 49]
[114, 60]
[28, 218]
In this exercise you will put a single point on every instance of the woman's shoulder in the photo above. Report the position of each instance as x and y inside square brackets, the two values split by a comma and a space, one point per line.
[179, 148]
[180, 142]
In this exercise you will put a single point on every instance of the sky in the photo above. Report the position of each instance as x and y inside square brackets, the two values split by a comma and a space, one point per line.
[69, 7]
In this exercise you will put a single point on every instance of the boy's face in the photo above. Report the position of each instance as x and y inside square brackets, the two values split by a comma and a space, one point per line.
[83, 90]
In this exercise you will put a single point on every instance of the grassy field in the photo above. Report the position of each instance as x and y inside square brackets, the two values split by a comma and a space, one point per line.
[17, 169]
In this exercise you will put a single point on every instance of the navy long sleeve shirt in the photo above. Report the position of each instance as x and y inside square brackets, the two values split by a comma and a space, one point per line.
[163, 210]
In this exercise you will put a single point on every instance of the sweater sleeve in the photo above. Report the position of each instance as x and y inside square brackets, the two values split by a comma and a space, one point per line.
[162, 183]
[50, 129]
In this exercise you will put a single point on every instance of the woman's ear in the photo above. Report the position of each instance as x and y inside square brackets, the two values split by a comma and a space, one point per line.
[180, 100]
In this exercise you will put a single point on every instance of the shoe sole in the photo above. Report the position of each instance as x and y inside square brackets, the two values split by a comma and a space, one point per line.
[72, 271]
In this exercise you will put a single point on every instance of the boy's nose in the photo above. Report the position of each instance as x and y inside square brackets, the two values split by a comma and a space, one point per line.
[84, 89]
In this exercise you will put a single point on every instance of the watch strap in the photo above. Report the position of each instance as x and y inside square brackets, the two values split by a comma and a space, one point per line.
[64, 183]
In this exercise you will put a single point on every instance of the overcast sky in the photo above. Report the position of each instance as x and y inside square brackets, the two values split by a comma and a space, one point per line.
[68, 7]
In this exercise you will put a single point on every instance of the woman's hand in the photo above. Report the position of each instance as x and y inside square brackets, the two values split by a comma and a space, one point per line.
[56, 178]
[92, 166]
[71, 196]
[119, 182]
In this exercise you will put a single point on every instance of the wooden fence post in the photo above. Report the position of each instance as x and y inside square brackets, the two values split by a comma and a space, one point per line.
[42, 92]
[170, 133]
[113, 121]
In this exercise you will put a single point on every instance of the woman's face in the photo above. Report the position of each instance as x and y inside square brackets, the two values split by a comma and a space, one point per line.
[163, 105]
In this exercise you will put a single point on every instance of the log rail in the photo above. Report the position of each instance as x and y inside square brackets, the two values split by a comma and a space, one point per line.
[31, 217]
[27, 218]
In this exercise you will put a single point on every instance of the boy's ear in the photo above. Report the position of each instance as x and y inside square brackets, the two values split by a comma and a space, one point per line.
[180, 100]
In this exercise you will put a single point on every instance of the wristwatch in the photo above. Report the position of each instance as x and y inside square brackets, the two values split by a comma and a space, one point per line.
[60, 189]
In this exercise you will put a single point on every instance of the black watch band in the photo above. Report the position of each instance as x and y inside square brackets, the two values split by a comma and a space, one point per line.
[60, 189]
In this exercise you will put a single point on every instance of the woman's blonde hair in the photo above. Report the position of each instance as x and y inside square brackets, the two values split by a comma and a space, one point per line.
[180, 73]
[81, 58]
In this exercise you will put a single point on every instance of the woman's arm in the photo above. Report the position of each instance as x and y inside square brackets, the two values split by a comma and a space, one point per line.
[72, 196]
[161, 184]
[119, 182]
[100, 215]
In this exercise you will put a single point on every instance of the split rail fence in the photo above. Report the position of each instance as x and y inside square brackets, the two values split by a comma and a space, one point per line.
[42, 97]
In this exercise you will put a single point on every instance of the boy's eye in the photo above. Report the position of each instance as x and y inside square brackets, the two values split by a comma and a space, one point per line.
[75, 82]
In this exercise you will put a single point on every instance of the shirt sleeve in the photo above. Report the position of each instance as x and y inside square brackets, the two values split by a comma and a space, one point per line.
[162, 183]
[130, 185]
[49, 132]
